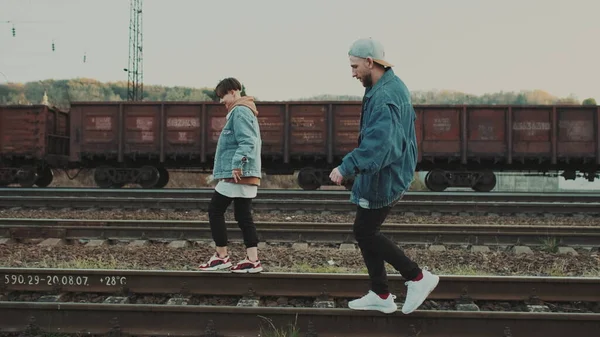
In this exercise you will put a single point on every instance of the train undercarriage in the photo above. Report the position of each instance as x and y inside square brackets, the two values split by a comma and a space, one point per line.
[150, 175]
[146, 176]
[436, 180]
[26, 175]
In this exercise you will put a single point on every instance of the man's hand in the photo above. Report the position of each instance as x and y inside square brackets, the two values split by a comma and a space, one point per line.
[237, 174]
[335, 176]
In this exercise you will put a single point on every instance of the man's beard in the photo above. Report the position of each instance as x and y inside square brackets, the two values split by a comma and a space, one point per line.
[367, 81]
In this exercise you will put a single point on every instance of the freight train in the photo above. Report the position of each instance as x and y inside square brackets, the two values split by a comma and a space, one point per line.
[140, 142]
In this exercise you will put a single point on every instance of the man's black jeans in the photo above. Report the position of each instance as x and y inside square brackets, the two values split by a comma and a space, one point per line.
[377, 249]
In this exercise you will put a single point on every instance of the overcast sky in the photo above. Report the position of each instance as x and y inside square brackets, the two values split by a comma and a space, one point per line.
[291, 49]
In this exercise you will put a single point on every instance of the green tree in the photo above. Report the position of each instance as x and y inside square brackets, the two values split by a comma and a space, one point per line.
[589, 101]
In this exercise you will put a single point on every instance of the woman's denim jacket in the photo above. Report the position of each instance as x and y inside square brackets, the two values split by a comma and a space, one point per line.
[239, 145]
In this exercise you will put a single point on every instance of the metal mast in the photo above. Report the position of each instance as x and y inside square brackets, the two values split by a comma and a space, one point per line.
[135, 71]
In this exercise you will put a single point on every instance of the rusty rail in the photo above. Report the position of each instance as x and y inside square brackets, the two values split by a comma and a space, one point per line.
[77, 229]
[509, 288]
[312, 205]
[213, 321]
[206, 320]
[202, 193]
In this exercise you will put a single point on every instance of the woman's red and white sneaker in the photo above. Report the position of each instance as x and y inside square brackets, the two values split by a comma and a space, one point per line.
[216, 263]
[247, 266]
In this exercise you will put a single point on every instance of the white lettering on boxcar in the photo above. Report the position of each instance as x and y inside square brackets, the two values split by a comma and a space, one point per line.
[183, 122]
[308, 137]
[442, 124]
[531, 128]
[486, 132]
[347, 135]
[577, 130]
[349, 122]
[147, 136]
[183, 136]
[102, 123]
[301, 121]
[144, 123]
[268, 122]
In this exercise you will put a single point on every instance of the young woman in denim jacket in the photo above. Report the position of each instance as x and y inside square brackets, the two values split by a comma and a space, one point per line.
[237, 167]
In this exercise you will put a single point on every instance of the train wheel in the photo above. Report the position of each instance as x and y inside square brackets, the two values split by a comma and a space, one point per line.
[149, 176]
[7, 176]
[436, 180]
[426, 180]
[163, 179]
[27, 176]
[486, 182]
[308, 180]
[102, 176]
[45, 177]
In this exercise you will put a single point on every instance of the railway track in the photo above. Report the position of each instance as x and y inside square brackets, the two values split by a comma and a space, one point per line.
[200, 193]
[183, 305]
[313, 201]
[161, 230]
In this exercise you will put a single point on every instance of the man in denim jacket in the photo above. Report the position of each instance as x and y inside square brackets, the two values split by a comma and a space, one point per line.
[383, 165]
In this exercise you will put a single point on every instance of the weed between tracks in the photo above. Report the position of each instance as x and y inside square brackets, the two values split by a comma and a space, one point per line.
[53, 261]
[272, 331]
[550, 245]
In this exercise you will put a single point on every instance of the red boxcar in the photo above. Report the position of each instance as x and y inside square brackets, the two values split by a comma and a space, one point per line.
[459, 145]
[463, 145]
[33, 140]
[138, 141]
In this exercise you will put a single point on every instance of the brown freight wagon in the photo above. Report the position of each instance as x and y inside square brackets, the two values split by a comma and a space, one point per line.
[462, 145]
[137, 142]
[33, 140]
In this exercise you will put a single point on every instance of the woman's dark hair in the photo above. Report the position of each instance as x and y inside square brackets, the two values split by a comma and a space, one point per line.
[226, 85]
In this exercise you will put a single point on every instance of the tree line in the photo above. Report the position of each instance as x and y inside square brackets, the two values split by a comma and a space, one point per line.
[60, 93]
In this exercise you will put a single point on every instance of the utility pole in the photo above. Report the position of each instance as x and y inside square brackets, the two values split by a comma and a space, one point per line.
[135, 71]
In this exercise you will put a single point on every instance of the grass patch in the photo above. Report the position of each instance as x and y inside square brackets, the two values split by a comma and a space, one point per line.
[463, 270]
[550, 245]
[306, 268]
[100, 262]
[560, 268]
[272, 331]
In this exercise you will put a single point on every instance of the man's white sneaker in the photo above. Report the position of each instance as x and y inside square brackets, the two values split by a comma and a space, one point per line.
[418, 291]
[372, 301]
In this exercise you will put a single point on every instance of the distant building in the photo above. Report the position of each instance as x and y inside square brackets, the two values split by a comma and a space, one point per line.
[45, 99]
[514, 182]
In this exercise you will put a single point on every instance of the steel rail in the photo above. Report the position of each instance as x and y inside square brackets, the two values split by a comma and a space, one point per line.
[77, 229]
[212, 321]
[312, 205]
[451, 287]
[298, 194]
